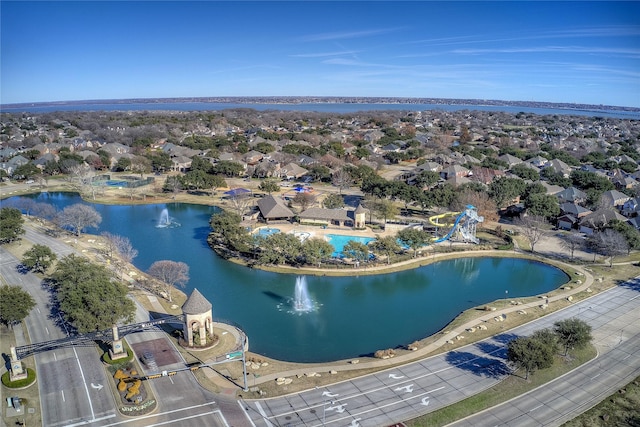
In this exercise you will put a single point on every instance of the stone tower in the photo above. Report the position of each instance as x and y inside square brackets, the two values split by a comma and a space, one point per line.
[197, 318]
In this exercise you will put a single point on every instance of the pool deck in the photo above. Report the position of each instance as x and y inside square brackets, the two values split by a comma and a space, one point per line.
[321, 232]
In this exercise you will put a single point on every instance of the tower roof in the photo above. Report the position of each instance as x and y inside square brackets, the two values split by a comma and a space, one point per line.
[360, 209]
[196, 304]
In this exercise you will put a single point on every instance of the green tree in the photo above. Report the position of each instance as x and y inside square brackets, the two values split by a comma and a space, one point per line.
[504, 190]
[530, 354]
[315, 250]
[38, 258]
[227, 168]
[413, 238]
[280, 248]
[525, 172]
[11, 222]
[544, 205]
[427, 178]
[269, 185]
[333, 201]
[201, 164]
[123, 164]
[572, 333]
[264, 147]
[214, 182]
[15, 304]
[26, 171]
[356, 250]
[88, 297]
[387, 245]
[160, 161]
[194, 179]
[226, 229]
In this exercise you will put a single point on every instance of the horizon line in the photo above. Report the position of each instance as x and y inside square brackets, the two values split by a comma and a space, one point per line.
[312, 99]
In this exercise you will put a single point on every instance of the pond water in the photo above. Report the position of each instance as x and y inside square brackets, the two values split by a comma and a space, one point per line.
[353, 316]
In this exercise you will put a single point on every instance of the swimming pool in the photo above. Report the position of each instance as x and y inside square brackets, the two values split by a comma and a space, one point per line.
[112, 183]
[267, 231]
[338, 241]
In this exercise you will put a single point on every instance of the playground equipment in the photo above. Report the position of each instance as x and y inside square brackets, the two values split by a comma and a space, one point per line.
[464, 224]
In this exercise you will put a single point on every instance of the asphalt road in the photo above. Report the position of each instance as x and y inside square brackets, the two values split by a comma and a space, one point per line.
[615, 318]
[403, 393]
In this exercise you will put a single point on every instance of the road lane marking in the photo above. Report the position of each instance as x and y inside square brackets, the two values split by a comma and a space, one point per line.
[188, 408]
[264, 415]
[537, 407]
[62, 391]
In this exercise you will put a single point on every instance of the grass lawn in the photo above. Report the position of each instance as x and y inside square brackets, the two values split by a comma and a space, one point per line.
[620, 409]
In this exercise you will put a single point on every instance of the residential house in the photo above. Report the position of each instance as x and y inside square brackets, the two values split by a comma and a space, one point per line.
[252, 158]
[558, 166]
[631, 207]
[551, 188]
[291, 171]
[622, 180]
[485, 175]
[537, 161]
[566, 222]
[454, 170]
[510, 160]
[574, 209]
[571, 194]
[613, 198]
[180, 163]
[598, 219]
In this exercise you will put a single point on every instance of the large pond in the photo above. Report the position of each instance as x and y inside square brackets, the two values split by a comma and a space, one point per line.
[352, 316]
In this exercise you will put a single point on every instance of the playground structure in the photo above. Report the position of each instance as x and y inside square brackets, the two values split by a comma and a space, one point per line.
[464, 225]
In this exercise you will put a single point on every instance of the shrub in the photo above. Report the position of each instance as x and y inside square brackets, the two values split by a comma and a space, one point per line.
[122, 385]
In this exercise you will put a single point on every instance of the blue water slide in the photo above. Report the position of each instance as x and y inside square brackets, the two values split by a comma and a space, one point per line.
[453, 229]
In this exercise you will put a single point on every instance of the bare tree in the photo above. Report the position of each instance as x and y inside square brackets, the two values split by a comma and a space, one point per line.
[304, 199]
[532, 227]
[170, 273]
[610, 243]
[342, 179]
[78, 217]
[141, 165]
[240, 202]
[572, 242]
[121, 245]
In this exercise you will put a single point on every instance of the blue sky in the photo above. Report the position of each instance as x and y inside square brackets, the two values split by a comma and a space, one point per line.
[579, 52]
